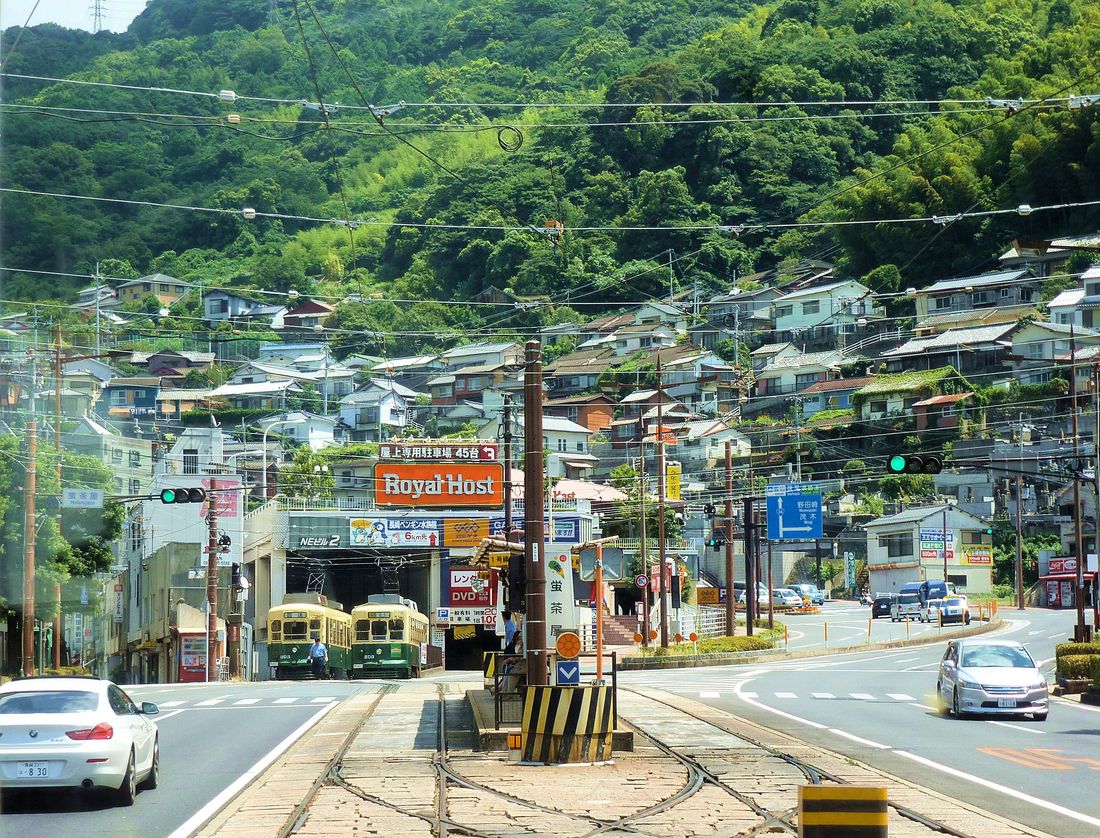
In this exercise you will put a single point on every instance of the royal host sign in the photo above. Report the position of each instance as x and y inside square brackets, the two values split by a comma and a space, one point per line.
[439, 484]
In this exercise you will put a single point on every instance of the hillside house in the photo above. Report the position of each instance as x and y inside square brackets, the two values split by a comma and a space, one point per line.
[1036, 347]
[1003, 289]
[376, 411]
[792, 373]
[258, 395]
[167, 289]
[578, 372]
[819, 314]
[311, 314]
[130, 397]
[889, 396]
[833, 394]
[594, 411]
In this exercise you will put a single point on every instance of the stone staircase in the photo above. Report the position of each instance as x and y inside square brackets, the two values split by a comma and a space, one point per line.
[618, 630]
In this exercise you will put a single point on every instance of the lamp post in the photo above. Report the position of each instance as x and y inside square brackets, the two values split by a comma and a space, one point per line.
[263, 445]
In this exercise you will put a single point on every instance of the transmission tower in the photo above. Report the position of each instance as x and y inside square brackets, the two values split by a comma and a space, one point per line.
[99, 9]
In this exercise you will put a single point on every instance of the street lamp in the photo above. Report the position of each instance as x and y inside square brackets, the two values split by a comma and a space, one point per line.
[263, 445]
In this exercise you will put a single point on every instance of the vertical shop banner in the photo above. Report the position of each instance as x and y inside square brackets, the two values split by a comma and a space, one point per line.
[673, 473]
[561, 612]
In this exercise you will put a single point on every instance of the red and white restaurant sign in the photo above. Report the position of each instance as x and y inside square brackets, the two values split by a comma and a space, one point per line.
[1063, 565]
[120, 603]
[473, 588]
[438, 450]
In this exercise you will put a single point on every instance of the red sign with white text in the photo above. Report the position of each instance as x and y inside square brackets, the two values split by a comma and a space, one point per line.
[473, 588]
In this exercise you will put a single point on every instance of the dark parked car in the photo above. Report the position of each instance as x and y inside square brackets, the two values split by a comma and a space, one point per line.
[882, 605]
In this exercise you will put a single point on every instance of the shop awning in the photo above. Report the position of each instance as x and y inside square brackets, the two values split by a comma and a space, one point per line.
[1090, 575]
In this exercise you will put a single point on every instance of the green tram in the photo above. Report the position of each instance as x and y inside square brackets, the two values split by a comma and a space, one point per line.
[390, 634]
[291, 628]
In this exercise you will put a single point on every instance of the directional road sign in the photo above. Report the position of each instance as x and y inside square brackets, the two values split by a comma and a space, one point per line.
[568, 673]
[793, 512]
[82, 498]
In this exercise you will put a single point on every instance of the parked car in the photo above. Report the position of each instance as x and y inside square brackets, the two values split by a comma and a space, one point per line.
[808, 591]
[883, 605]
[993, 677]
[931, 610]
[907, 607]
[954, 609]
[786, 596]
[74, 732]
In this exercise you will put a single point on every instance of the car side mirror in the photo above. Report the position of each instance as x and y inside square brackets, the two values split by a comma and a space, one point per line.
[148, 708]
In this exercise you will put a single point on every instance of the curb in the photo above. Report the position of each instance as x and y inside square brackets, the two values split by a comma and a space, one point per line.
[723, 658]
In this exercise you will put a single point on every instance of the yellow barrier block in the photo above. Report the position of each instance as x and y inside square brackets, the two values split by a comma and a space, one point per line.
[826, 811]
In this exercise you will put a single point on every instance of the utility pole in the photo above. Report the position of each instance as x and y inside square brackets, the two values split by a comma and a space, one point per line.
[29, 541]
[508, 464]
[1096, 479]
[731, 615]
[750, 567]
[533, 498]
[662, 547]
[1020, 525]
[57, 622]
[1082, 633]
[212, 577]
[97, 350]
[644, 545]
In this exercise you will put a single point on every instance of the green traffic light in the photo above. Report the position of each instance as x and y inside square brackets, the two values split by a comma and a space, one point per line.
[168, 496]
[896, 464]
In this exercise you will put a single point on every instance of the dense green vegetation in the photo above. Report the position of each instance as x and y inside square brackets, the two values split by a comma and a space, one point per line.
[680, 160]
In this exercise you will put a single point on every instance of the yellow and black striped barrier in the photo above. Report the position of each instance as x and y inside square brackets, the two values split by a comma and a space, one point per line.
[489, 667]
[567, 724]
[842, 812]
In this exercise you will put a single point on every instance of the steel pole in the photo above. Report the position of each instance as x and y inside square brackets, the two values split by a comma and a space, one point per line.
[644, 546]
[533, 499]
[57, 630]
[731, 614]
[212, 577]
[29, 546]
[507, 434]
[598, 586]
[750, 562]
[662, 547]
[1082, 632]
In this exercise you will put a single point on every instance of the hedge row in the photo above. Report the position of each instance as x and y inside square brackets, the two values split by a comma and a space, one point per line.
[1078, 666]
[1063, 649]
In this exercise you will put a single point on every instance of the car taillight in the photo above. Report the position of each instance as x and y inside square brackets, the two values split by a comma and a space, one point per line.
[100, 731]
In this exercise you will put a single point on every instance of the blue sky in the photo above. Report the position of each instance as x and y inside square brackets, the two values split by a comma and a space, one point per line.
[75, 14]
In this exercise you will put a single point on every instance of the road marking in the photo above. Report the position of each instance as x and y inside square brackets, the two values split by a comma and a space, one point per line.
[925, 707]
[862, 696]
[1032, 758]
[749, 698]
[1059, 634]
[170, 703]
[210, 702]
[785, 695]
[989, 784]
[247, 701]
[900, 697]
[197, 820]
[710, 694]
[162, 716]
[906, 660]
[1076, 704]
[823, 695]
[1037, 631]
[920, 666]
[285, 700]
[323, 699]
[1015, 727]
[859, 739]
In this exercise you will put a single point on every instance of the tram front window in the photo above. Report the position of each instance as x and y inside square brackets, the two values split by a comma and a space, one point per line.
[294, 630]
[378, 630]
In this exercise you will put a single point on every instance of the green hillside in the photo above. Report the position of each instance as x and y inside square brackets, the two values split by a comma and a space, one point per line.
[601, 115]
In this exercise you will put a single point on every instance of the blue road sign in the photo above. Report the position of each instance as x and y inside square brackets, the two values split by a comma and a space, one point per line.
[793, 514]
[568, 673]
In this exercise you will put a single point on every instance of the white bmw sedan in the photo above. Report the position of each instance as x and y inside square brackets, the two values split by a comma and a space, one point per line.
[990, 677]
[76, 733]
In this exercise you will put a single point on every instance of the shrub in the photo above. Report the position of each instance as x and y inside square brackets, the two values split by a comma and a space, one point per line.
[734, 644]
[1096, 671]
[1063, 649]
[1077, 666]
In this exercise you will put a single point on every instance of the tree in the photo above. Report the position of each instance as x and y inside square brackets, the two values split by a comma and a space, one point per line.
[308, 475]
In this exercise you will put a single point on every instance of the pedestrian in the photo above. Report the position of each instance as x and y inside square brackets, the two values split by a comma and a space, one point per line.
[510, 632]
[318, 657]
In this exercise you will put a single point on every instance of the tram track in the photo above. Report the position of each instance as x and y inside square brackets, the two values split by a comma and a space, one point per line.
[812, 773]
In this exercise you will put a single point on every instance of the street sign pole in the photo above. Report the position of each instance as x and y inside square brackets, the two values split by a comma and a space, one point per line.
[598, 583]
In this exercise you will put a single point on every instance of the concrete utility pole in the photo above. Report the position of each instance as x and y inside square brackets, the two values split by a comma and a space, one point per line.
[750, 566]
[507, 463]
[644, 545]
[212, 577]
[1020, 525]
[731, 614]
[57, 638]
[662, 547]
[29, 542]
[533, 496]
[1081, 633]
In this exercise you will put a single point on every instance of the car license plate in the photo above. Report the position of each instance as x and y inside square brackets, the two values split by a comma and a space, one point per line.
[1006, 702]
[32, 769]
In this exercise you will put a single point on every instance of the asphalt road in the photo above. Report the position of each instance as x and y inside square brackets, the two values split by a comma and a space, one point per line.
[844, 623]
[879, 707]
[210, 736]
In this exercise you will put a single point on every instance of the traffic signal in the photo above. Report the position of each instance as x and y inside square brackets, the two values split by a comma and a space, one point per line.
[517, 582]
[716, 541]
[182, 495]
[709, 509]
[914, 464]
[235, 576]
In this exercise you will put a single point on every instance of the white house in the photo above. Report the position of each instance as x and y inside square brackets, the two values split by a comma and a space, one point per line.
[568, 445]
[792, 373]
[304, 428]
[482, 354]
[335, 380]
[910, 547]
[836, 308]
[221, 306]
[377, 410]
[631, 339]
[1078, 306]
[1036, 346]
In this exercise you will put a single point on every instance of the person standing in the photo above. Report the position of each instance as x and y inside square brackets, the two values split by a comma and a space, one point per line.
[318, 657]
[510, 632]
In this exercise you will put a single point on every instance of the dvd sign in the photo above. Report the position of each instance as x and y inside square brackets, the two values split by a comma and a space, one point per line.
[473, 588]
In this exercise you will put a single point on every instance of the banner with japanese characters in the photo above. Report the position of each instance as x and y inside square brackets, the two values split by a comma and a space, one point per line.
[561, 612]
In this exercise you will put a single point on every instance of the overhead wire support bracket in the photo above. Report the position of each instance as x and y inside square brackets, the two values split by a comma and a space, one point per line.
[388, 110]
[1010, 105]
[1076, 103]
[321, 107]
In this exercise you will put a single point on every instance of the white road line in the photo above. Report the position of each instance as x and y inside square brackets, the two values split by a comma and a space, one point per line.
[785, 695]
[323, 699]
[823, 695]
[162, 716]
[747, 694]
[859, 739]
[210, 702]
[285, 700]
[900, 697]
[710, 694]
[925, 707]
[750, 698]
[246, 701]
[989, 784]
[193, 823]
[920, 666]
[1016, 727]
[1076, 704]
[906, 660]
[170, 703]
[1059, 634]
[1037, 631]
[863, 696]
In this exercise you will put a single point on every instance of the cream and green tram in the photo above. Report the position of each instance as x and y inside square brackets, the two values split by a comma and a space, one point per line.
[291, 628]
[390, 635]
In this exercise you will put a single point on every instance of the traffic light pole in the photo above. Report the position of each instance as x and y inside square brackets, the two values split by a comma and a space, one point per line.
[212, 578]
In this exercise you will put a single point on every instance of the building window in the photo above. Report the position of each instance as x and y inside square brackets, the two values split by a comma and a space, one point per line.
[119, 397]
[116, 456]
[562, 444]
[976, 537]
[805, 380]
[878, 407]
[135, 486]
[1027, 295]
[135, 459]
[219, 306]
[943, 302]
[1006, 293]
[580, 447]
[190, 460]
[897, 545]
[572, 413]
[784, 311]
[146, 286]
[812, 307]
